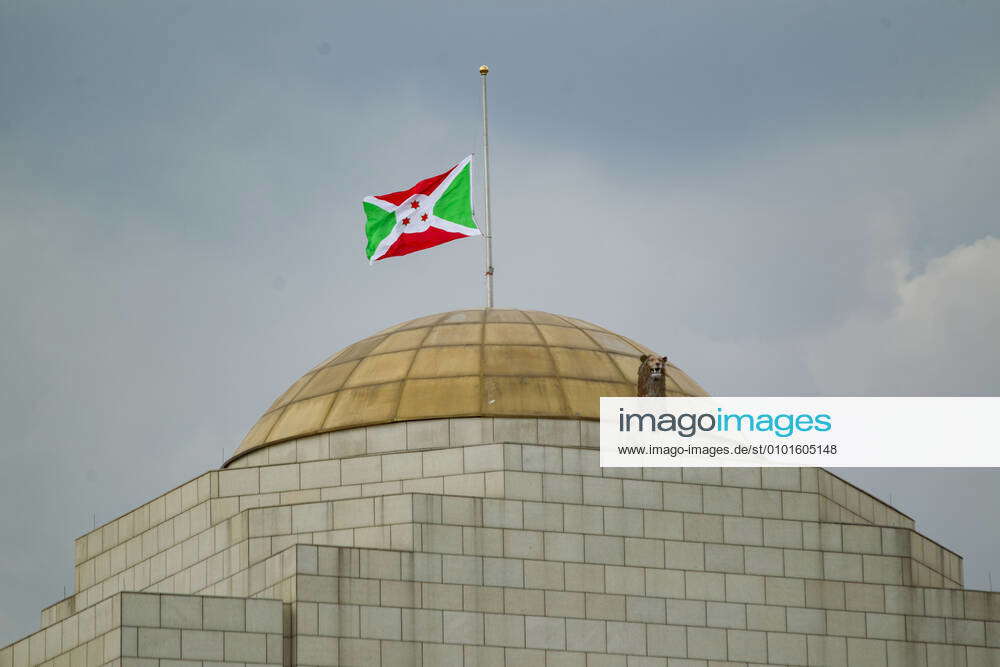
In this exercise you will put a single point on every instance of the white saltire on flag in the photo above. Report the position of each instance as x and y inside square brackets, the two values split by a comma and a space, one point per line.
[434, 211]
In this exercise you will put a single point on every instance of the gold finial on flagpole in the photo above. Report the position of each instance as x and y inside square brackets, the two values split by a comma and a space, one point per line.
[484, 70]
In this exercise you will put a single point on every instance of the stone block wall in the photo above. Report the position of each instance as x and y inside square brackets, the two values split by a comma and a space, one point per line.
[375, 607]
[503, 542]
[191, 545]
[150, 630]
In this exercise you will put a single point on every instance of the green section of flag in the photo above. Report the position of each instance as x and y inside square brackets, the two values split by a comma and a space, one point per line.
[455, 203]
[379, 225]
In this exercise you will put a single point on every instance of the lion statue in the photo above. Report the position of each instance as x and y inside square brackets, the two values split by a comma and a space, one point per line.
[652, 380]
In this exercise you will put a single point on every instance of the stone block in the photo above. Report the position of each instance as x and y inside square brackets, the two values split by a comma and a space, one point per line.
[428, 434]
[402, 466]
[867, 653]
[523, 485]
[159, 643]
[140, 609]
[786, 648]
[706, 643]
[722, 500]
[747, 646]
[643, 495]
[503, 572]
[643, 609]
[624, 580]
[443, 462]
[764, 560]
[724, 558]
[423, 625]
[864, 597]
[562, 488]
[743, 530]
[639, 552]
[268, 521]
[744, 588]
[504, 629]
[625, 637]
[523, 601]
[585, 635]
[568, 547]
[585, 578]
[317, 651]
[621, 521]
[520, 431]
[583, 519]
[682, 497]
[359, 651]
[522, 544]
[846, 623]
[381, 623]
[263, 616]
[180, 611]
[202, 645]
[470, 431]
[803, 564]
[663, 525]
[559, 432]
[542, 459]
[882, 569]
[602, 491]
[784, 591]
[361, 470]
[350, 442]
[862, 539]
[842, 567]
[483, 458]
[703, 528]
[666, 640]
[385, 438]
[545, 633]
[463, 627]
[239, 482]
[666, 583]
[705, 586]
[545, 575]
[462, 570]
[806, 621]
[224, 614]
[353, 513]
[279, 478]
[746, 477]
[684, 555]
[726, 615]
[780, 533]
[604, 549]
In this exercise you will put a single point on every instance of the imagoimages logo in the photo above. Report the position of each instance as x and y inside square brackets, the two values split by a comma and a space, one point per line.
[825, 431]
[689, 424]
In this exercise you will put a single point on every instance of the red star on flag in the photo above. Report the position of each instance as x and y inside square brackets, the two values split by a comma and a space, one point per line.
[406, 221]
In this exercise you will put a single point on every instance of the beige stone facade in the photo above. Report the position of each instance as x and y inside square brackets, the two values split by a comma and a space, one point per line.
[500, 541]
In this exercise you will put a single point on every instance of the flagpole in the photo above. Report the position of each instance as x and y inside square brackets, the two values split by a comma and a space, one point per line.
[483, 71]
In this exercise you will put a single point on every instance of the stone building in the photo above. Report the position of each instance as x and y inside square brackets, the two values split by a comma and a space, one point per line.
[431, 495]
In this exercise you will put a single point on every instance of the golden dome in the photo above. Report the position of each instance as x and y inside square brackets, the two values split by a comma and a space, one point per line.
[466, 363]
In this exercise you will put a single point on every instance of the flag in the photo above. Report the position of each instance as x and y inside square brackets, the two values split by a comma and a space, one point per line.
[434, 211]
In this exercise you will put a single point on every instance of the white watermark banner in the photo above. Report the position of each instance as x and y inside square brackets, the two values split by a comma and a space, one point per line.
[829, 432]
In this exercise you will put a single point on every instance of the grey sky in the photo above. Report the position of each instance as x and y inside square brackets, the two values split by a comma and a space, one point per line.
[785, 198]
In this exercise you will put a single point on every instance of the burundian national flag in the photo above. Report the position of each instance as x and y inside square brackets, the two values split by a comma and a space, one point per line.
[434, 211]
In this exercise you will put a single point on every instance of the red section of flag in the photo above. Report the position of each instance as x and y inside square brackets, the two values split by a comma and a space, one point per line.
[424, 187]
[407, 243]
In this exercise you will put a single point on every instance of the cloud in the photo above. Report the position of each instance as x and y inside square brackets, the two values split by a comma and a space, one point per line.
[939, 340]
